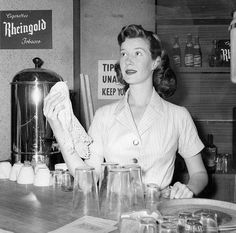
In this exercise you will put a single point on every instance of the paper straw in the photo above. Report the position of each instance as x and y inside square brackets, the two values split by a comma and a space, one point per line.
[89, 98]
[84, 101]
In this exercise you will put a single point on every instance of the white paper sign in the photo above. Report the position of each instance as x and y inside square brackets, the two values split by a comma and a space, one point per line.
[108, 85]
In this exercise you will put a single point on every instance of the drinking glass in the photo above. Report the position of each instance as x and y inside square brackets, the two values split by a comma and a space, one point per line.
[193, 226]
[66, 181]
[128, 223]
[152, 196]
[136, 182]
[168, 227]
[209, 221]
[118, 198]
[85, 193]
[57, 177]
[148, 225]
[137, 224]
[102, 184]
[165, 193]
[182, 220]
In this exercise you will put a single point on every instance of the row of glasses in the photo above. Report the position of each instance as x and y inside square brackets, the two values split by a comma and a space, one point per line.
[120, 189]
[188, 222]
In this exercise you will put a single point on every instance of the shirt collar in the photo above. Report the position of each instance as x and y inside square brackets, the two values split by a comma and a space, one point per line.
[156, 103]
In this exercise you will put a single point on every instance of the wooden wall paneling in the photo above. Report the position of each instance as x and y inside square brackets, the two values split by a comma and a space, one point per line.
[210, 9]
[221, 187]
[207, 96]
[206, 92]
[222, 132]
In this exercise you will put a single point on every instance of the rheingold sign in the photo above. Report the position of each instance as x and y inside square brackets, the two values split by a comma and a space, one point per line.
[26, 29]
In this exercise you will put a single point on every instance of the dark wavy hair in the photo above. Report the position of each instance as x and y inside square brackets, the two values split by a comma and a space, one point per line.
[164, 78]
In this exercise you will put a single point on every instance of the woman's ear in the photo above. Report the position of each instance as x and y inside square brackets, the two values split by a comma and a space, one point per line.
[156, 63]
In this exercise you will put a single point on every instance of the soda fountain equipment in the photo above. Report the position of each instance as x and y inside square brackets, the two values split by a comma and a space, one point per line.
[31, 135]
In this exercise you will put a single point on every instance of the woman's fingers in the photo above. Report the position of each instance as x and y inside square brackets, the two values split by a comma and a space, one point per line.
[180, 190]
[53, 105]
[48, 100]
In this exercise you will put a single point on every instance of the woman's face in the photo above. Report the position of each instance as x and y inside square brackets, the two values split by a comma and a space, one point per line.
[135, 61]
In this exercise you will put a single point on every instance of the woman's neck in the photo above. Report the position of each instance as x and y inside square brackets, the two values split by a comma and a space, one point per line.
[140, 95]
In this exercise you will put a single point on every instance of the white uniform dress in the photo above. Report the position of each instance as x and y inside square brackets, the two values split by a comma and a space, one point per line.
[164, 129]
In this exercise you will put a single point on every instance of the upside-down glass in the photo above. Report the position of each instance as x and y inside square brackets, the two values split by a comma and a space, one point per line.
[118, 198]
[152, 196]
[128, 223]
[57, 177]
[85, 193]
[102, 184]
[168, 227]
[137, 224]
[136, 181]
[148, 225]
[66, 181]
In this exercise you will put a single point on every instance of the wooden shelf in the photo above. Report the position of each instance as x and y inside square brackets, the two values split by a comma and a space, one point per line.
[193, 21]
[203, 69]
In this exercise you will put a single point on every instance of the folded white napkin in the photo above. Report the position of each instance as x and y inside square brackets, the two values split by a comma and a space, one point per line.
[76, 133]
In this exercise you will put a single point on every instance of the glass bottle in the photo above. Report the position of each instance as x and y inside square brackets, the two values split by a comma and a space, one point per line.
[197, 53]
[176, 52]
[188, 53]
[210, 154]
[215, 58]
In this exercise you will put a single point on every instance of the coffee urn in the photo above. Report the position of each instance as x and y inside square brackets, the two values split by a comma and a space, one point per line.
[31, 135]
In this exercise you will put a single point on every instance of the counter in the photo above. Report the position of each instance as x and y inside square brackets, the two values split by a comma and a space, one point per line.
[27, 208]
[31, 209]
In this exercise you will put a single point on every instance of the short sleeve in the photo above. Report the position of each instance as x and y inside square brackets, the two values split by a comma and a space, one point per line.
[189, 142]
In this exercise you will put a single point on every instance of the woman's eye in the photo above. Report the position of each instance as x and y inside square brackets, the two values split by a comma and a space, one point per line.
[138, 53]
[123, 54]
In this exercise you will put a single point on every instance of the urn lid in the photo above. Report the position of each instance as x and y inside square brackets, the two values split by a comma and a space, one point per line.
[36, 74]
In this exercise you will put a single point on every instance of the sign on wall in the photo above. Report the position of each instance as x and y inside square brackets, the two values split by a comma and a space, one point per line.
[224, 47]
[108, 85]
[26, 29]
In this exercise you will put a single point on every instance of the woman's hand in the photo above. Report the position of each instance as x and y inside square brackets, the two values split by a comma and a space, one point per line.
[53, 104]
[180, 190]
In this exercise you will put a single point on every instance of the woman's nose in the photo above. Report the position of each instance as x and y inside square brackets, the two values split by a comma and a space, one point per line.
[129, 59]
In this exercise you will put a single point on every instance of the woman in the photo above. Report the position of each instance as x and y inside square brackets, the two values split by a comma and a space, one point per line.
[142, 127]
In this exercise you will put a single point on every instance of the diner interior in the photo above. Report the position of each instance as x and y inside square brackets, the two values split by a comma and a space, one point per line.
[83, 39]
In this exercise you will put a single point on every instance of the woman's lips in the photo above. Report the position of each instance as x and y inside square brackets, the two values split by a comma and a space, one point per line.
[129, 72]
